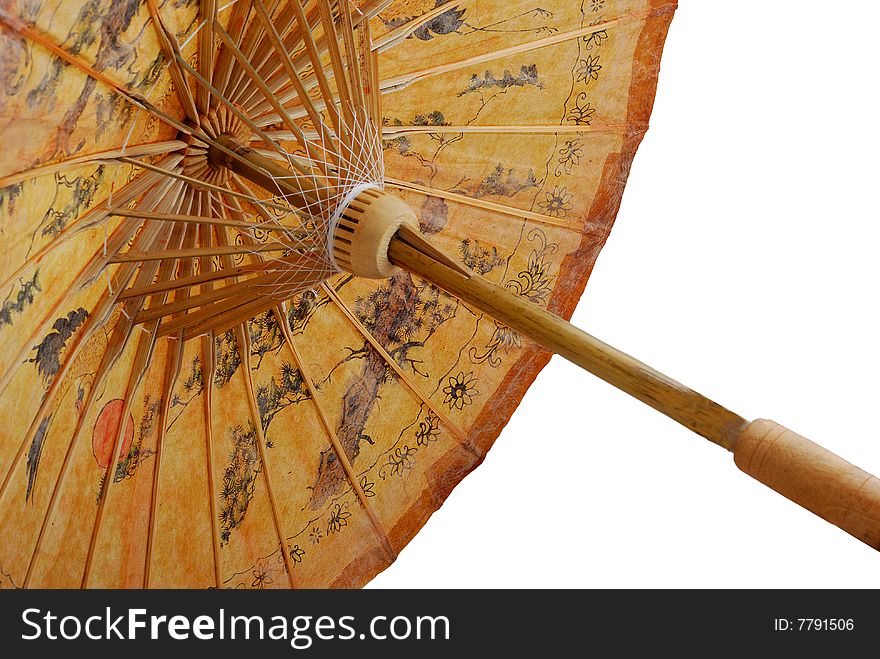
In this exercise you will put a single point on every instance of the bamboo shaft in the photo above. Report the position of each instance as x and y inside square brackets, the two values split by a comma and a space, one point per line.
[687, 407]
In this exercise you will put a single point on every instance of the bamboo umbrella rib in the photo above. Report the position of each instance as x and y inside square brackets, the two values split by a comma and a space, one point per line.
[572, 225]
[391, 132]
[253, 45]
[204, 299]
[352, 60]
[139, 151]
[224, 317]
[172, 371]
[207, 16]
[196, 183]
[126, 231]
[223, 68]
[398, 82]
[273, 226]
[209, 359]
[261, 84]
[242, 289]
[238, 113]
[457, 432]
[170, 48]
[188, 282]
[338, 449]
[195, 323]
[321, 48]
[135, 257]
[371, 8]
[401, 33]
[318, 68]
[264, 52]
[277, 79]
[332, 42]
[290, 69]
[244, 350]
[371, 62]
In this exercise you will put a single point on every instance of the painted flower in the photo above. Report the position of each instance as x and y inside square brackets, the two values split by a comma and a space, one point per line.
[460, 391]
[582, 112]
[401, 460]
[588, 69]
[297, 553]
[338, 518]
[315, 535]
[367, 487]
[557, 203]
[262, 576]
[570, 156]
[595, 39]
[429, 430]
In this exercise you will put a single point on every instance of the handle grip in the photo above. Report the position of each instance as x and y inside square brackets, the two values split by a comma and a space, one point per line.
[812, 477]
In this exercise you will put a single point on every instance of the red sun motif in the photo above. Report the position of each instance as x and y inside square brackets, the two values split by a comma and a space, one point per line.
[104, 434]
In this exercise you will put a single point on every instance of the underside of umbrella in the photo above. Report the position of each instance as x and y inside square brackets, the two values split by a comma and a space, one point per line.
[279, 271]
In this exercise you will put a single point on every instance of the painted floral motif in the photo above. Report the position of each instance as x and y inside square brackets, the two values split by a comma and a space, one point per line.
[428, 430]
[569, 157]
[588, 69]
[460, 391]
[582, 112]
[338, 518]
[557, 202]
[504, 340]
[401, 460]
[535, 282]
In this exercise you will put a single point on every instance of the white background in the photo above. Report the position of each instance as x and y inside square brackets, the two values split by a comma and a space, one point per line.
[744, 263]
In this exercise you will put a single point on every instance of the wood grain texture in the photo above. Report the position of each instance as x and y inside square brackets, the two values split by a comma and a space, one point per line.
[812, 477]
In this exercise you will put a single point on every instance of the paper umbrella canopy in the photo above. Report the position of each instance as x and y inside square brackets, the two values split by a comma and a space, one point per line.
[277, 272]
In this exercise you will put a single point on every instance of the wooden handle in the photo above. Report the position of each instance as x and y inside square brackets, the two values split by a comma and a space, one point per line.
[812, 477]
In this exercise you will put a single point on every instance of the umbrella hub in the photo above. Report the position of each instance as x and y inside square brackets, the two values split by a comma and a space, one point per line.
[356, 221]
[363, 229]
[217, 122]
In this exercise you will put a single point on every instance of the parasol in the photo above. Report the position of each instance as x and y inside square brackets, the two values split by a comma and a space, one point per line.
[279, 272]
